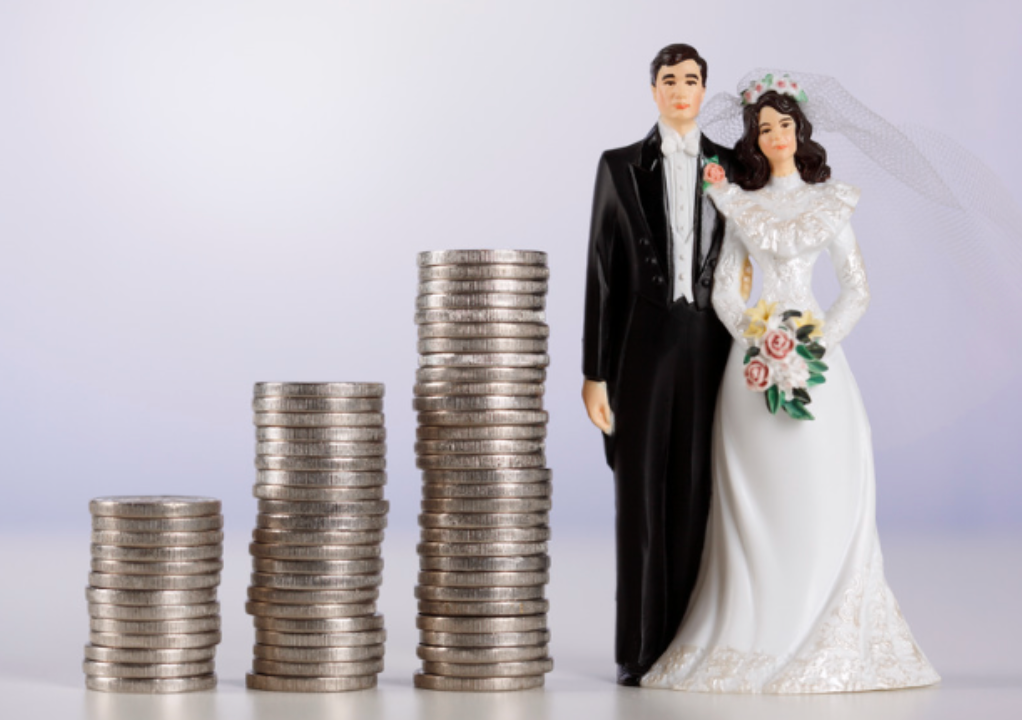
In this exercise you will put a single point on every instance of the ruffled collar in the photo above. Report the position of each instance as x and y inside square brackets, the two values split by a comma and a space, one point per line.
[786, 183]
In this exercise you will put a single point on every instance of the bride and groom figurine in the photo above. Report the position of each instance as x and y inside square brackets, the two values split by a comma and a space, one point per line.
[747, 552]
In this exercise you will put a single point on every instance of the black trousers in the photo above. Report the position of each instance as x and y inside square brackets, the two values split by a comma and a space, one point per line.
[663, 402]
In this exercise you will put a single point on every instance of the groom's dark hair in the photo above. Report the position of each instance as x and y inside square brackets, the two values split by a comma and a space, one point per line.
[672, 55]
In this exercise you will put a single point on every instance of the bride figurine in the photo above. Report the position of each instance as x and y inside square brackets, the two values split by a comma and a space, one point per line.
[791, 596]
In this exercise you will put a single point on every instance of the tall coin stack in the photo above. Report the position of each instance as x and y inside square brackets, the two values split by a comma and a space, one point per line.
[154, 621]
[480, 444]
[316, 552]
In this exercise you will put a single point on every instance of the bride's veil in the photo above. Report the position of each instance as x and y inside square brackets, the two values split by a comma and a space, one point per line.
[942, 241]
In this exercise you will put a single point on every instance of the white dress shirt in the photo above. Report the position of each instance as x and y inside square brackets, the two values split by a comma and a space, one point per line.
[680, 169]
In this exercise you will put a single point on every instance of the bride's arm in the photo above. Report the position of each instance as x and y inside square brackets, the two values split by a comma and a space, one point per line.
[854, 297]
[728, 284]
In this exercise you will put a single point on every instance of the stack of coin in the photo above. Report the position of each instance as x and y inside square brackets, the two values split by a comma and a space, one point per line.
[316, 552]
[486, 490]
[154, 621]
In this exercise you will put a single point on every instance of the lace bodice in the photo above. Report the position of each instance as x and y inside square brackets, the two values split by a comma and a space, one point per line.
[784, 227]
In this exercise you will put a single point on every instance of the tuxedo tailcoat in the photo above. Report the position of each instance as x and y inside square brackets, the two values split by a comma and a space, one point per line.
[662, 361]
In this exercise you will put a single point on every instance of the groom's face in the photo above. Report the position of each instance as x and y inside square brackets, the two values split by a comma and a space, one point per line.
[679, 91]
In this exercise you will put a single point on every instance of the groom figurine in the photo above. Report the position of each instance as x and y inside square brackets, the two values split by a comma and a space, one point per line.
[654, 353]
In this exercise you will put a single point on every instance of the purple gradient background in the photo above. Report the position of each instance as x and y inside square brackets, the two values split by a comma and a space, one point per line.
[198, 195]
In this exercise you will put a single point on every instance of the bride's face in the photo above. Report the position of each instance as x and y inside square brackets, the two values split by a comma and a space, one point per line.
[777, 137]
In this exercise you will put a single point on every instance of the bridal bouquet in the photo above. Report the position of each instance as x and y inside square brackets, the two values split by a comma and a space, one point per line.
[784, 358]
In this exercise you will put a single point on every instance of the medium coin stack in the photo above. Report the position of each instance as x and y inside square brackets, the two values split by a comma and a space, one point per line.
[486, 490]
[154, 621]
[316, 546]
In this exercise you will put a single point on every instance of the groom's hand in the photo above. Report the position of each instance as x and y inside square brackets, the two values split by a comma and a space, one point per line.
[594, 395]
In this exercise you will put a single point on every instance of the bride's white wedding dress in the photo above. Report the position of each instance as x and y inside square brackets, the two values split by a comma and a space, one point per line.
[791, 596]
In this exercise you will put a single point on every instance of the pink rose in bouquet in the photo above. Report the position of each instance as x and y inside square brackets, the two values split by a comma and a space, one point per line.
[777, 344]
[757, 375]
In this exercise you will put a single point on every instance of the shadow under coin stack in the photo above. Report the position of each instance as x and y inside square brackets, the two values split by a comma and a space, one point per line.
[154, 619]
[316, 552]
[486, 493]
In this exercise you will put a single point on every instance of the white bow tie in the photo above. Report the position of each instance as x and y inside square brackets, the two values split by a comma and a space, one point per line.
[672, 144]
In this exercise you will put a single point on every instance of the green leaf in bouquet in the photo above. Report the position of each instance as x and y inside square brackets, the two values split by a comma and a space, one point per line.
[788, 314]
[750, 354]
[816, 366]
[797, 410]
[801, 395]
[816, 349]
[773, 399]
[805, 352]
[804, 332]
[815, 379]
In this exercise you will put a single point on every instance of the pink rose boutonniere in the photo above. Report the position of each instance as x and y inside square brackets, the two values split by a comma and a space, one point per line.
[713, 173]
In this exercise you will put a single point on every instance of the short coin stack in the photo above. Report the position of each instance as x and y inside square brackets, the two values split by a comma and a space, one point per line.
[486, 490]
[154, 620]
[316, 552]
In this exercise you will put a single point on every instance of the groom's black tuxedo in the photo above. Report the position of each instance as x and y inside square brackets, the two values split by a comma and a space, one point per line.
[662, 361]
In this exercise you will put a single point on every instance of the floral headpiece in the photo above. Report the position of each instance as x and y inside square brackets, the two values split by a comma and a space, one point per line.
[783, 85]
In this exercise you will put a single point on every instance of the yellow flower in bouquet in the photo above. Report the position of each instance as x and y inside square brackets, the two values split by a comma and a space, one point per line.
[759, 316]
[808, 318]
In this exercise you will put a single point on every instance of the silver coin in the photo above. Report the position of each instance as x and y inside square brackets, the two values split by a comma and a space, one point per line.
[336, 669]
[310, 612]
[485, 477]
[318, 567]
[331, 523]
[147, 598]
[482, 300]
[319, 389]
[280, 653]
[478, 594]
[482, 579]
[322, 479]
[489, 490]
[317, 537]
[483, 432]
[276, 683]
[479, 315]
[318, 420]
[320, 626]
[440, 549]
[153, 582]
[485, 417]
[425, 681]
[358, 507]
[188, 567]
[156, 627]
[153, 506]
[487, 670]
[280, 597]
[483, 330]
[146, 657]
[483, 272]
[321, 434]
[530, 360]
[316, 494]
[480, 462]
[485, 535]
[150, 642]
[316, 582]
[485, 564]
[465, 521]
[482, 257]
[316, 405]
[320, 464]
[137, 613]
[483, 609]
[485, 625]
[462, 403]
[476, 346]
[157, 554]
[154, 686]
[486, 505]
[321, 640]
[185, 524]
[314, 552]
[480, 640]
[470, 655]
[157, 539]
[435, 389]
[132, 670]
[322, 449]
[478, 447]
[476, 287]
[480, 375]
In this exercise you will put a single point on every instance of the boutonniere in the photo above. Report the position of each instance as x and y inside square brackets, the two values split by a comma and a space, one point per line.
[713, 173]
